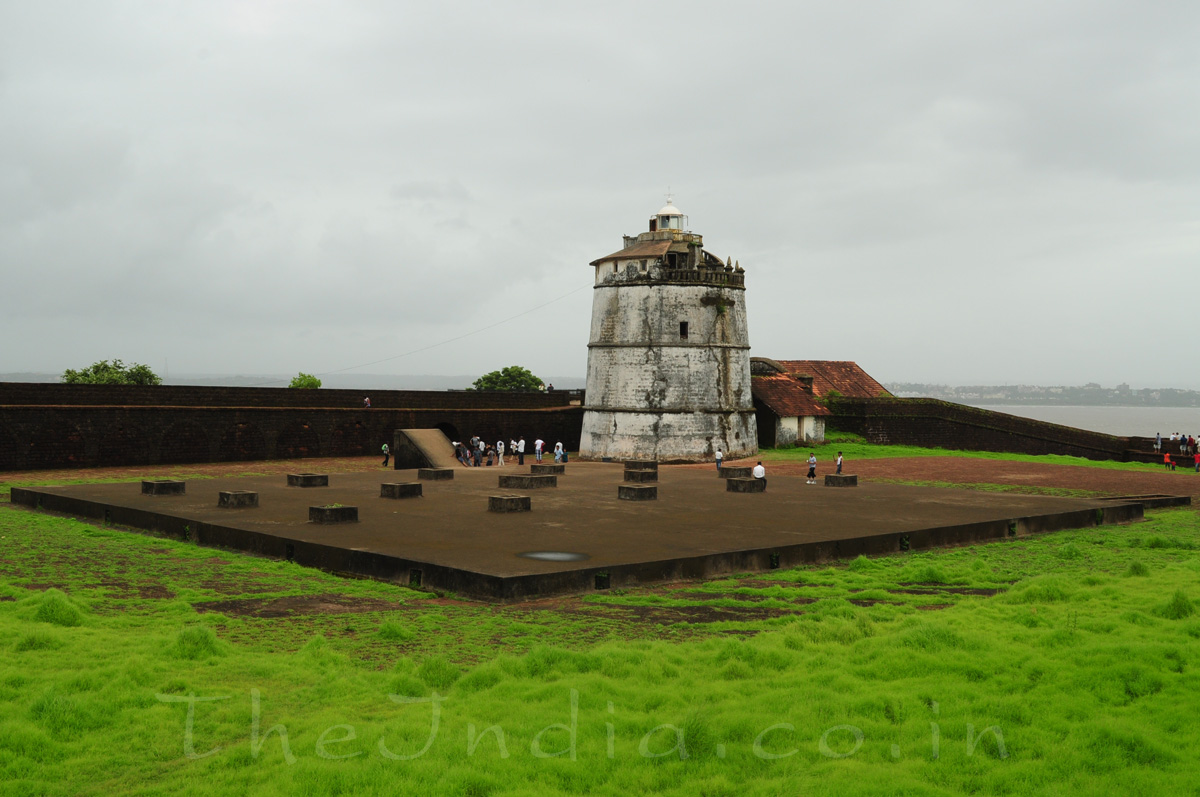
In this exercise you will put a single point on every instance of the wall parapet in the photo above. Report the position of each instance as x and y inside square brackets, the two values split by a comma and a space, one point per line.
[935, 423]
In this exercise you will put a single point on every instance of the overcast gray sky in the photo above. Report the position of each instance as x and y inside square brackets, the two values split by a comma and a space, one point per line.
[942, 191]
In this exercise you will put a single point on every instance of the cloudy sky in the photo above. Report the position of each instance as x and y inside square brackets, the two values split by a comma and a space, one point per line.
[951, 192]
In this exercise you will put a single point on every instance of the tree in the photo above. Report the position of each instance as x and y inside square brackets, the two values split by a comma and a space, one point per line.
[114, 373]
[514, 377]
[305, 381]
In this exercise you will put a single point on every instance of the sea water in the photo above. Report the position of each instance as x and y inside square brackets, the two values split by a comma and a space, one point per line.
[1123, 421]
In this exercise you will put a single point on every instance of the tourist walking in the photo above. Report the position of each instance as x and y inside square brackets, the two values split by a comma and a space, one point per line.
[521, 451]
[1158, 441]
[538, 445]
[387, 454]
[812, 468]
[1196, 457]
[480, 447]
[558, 452]
[1167, 463]
[839, 464]
[500, 453]
[720, 457]
[760, 473]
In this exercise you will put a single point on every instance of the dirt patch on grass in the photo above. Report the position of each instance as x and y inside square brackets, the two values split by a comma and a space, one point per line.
[737, 596]
[296, 605]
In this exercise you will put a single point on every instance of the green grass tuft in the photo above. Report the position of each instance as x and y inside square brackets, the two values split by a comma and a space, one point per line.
[55, 607]
[196, 643]
[1177, 608]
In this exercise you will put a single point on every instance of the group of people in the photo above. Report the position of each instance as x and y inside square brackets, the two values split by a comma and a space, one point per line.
[760, 473]
[476, 452]
[1186, 442]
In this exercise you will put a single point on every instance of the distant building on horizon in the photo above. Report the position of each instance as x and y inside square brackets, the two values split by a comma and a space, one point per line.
[669, 352]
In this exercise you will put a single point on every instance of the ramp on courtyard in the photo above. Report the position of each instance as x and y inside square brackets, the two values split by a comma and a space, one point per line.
[422, 448]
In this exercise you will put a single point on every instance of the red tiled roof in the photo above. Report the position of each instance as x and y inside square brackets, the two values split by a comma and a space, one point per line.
[786, 397]
[641, 249]
[843, 376]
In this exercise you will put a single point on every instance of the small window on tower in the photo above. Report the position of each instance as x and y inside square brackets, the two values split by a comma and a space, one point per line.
[614, 268]
[683, 330]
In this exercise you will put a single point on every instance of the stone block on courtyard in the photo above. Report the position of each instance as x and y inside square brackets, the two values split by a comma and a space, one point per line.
[547, 470]
[637, 492]
[527, 482]
[641, 475]
[509, 503]
[308, 480]
[435, 474]
[641, 464]
[163, 487]
[237, 499]
[333, 514]
[743, 485]
[400, 490]
[844, 480]
[738, 472]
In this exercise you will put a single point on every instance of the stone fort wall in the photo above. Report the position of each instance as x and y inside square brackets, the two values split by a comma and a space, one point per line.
[943, 424]
[57, 425]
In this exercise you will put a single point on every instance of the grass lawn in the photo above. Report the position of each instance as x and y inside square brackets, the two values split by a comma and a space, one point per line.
[1057, 664]
[856, 450]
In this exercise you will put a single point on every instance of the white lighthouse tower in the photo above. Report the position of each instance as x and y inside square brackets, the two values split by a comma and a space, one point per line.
[669, 354]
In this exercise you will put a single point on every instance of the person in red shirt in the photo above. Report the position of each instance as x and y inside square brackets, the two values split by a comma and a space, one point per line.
[1167, 463]
[1196, 457]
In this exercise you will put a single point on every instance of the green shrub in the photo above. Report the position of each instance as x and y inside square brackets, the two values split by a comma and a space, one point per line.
[1137, 568]
[55, 607]
[195, 643]
[1177, 608]
[38, 640]
[438, 673]
[392, 631]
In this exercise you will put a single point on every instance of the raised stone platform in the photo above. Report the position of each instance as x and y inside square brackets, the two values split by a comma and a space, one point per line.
[641, 464]
[637, 492]
[547, 470]
[164, 487]
[527, 482]
[308, 480]
[237, 499]
[690, 532]
[509, 503]
[736, 472]
[436, 474]
[400, 490]
[641, 475]
[333, 514]
[844, 480]
[742, 485]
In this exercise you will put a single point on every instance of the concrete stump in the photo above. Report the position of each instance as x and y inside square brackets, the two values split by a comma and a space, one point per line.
[237, 499]
[641, 464]
[509, 503]
[740, 472]
[333, 514]
[400, 490]
[637, 492]
[547, 470]
[435, 474]
[308, 480]
[522, 482]
[741, 485]
[641, 475]
[845, 480]
[164, 487]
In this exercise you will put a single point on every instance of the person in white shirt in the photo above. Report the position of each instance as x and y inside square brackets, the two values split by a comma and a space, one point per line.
[558, 452]
[720, 457]
[500, 452]
[760, 473]
[812, 468]
[537, 448]
[521, 451]
[839, 463]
